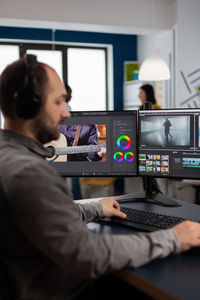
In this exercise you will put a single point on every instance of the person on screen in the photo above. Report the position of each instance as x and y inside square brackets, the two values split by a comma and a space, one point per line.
[47, 251]
[88, 135]
[167, 124]
[88, 188]
[147, 94]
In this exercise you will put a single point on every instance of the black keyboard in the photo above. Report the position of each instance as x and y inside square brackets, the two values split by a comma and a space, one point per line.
[146, 221]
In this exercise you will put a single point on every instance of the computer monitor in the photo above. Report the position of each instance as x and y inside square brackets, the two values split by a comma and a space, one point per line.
[169, 147]
[100, 143]
[169, 143]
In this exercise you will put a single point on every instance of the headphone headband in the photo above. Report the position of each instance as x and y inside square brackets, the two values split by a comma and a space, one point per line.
[31, 64]
[27, 101]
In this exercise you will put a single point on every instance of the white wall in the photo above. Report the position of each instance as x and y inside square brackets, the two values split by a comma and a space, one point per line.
[188, 52]
[118, 16]
[128, 16]
[165, 90]
[180, 47]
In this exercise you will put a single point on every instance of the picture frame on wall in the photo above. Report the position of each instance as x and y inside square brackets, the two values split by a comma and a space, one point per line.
[131, 70]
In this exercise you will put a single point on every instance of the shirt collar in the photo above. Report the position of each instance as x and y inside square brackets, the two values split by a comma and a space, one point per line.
[28, 142]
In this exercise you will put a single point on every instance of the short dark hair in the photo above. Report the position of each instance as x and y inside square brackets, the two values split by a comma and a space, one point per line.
[68, 88]
[149, 90]
[69, 91]
[12, 81]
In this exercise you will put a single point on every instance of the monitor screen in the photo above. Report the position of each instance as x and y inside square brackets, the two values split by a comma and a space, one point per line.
[102, 143]
[169, 143]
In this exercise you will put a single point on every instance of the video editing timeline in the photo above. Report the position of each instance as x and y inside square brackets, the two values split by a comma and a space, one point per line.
[169, 143]
[106, 144]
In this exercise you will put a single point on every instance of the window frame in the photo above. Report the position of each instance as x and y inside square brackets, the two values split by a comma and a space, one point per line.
[24, 46]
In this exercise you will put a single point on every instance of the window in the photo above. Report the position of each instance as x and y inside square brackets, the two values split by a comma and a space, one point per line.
[52, 58]
[84, 68]
[8, 54]
[87, 78]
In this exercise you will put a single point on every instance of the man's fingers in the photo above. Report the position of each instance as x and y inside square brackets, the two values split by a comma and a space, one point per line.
[189, 234]
[120, 214]
[116, 204]
[111, 208]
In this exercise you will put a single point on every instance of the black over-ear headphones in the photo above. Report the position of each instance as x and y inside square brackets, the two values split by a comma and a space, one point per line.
[27, 101]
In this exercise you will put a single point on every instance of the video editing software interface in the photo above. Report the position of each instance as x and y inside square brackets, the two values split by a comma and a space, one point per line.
[100, 143]
[169, 143]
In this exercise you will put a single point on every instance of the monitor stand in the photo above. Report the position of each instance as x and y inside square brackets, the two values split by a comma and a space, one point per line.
[151, 194]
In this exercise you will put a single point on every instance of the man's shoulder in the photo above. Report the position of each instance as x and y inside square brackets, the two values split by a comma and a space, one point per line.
[16, 159]
[21, 171]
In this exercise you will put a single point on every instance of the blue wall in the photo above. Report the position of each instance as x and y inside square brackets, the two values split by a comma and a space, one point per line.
[124, 48]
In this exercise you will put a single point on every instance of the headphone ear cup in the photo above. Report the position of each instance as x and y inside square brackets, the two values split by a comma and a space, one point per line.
[27, 104]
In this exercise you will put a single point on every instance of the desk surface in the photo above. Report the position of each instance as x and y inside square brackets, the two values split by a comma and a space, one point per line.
[175, 277]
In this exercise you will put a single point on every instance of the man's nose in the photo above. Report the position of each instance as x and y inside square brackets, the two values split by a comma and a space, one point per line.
[65, 111]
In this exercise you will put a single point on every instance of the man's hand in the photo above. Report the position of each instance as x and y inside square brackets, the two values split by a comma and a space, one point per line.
[189, 234]
[102, 153]
[111, 208]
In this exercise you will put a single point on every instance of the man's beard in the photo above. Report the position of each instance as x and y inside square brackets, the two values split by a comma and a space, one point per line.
[44, 131]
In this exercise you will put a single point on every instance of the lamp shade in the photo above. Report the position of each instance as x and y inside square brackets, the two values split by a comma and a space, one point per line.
[154, 68]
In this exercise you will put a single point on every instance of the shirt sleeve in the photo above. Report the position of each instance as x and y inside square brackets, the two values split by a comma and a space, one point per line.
[90, 211]
[41, 209]
[154, 245]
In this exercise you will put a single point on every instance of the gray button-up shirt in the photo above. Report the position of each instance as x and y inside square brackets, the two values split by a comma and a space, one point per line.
[46, 249]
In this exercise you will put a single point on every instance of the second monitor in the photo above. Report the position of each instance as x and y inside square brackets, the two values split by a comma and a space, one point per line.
[169, 143]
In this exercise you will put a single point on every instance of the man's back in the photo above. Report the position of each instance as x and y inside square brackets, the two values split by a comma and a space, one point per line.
[31, 274]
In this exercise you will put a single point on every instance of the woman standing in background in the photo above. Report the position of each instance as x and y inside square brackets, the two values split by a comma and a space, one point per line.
[147, 94]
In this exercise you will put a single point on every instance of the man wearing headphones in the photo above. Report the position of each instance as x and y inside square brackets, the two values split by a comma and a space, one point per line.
[46, 250]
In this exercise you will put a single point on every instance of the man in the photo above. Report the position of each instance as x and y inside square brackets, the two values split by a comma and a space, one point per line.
[69, 92]
[46, 249]
[167, 124]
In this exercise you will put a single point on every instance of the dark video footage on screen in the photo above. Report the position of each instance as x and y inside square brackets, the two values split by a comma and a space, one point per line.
[165, 131]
